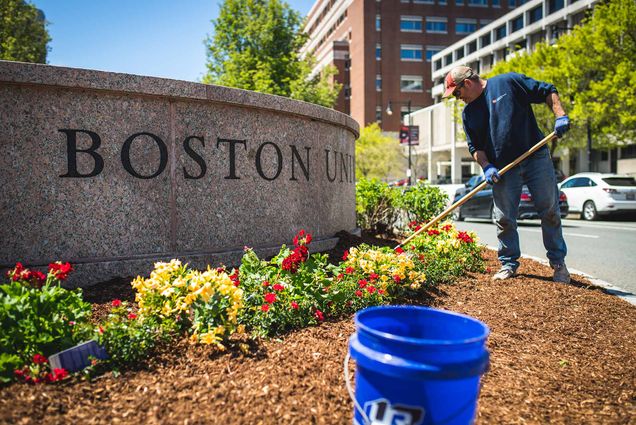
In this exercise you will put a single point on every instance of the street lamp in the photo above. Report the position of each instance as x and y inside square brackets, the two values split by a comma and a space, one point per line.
[389, 112]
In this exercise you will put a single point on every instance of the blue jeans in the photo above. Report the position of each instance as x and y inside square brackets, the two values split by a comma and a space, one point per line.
[537, 172]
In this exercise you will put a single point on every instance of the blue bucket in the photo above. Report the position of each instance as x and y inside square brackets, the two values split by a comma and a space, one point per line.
[416, 365]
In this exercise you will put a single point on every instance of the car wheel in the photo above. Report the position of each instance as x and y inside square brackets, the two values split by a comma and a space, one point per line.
[589, 211]
[457, 214]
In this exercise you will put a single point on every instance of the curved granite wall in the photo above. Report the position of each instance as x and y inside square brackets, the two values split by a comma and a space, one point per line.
[113, 171]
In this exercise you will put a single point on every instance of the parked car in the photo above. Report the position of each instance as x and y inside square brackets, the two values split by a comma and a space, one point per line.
[597, 194]
[481, 204]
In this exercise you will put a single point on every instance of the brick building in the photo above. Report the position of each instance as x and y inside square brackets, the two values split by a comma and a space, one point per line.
[382, 48]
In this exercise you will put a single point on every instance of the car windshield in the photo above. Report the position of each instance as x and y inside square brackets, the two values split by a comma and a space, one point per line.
[620, 181]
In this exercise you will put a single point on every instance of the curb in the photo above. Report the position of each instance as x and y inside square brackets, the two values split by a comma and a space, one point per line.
[608, 287]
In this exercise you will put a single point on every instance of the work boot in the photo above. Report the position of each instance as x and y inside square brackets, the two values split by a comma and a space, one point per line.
[503, 274]
[561, 273]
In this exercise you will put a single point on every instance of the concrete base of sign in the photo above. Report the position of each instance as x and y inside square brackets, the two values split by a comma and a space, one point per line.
[113, 172]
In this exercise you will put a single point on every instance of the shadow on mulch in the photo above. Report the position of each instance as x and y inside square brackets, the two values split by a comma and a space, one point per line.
[559, 354]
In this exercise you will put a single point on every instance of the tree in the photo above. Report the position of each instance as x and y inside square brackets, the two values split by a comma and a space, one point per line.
[594, 69]
[255, 46]
[377, 156]
[23, 34]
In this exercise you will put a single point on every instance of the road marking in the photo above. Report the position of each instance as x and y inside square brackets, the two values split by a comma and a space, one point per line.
[580, 235]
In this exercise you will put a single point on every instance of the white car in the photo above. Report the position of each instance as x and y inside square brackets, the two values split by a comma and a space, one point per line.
[594, 194]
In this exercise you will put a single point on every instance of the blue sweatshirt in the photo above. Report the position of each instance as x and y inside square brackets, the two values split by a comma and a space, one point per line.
[501, 122]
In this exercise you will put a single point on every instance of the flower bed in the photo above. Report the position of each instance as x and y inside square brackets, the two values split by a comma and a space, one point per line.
[262, 297]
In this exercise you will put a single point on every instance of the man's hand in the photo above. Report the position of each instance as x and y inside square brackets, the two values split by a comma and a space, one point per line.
[491, 174]
[561, 125]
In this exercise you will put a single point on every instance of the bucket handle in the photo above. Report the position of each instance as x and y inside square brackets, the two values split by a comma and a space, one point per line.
[352, 395]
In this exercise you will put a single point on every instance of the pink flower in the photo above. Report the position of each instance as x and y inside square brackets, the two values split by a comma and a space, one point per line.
[270, 297]
[396, 278]
[294, 305]
[116, 303]
[265, 307]
[71, 323]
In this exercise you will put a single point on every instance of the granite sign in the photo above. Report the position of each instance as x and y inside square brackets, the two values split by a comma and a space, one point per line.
[113, 172]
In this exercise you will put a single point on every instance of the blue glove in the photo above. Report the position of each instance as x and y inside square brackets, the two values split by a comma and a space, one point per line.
[561, 125]
[491, 174]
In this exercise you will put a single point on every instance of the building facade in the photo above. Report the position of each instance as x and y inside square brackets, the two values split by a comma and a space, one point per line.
[382, 49]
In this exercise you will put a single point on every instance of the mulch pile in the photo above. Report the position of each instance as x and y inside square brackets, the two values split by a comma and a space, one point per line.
[559, 354]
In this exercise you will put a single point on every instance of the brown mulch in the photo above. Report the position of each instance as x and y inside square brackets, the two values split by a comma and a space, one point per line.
[559, 354]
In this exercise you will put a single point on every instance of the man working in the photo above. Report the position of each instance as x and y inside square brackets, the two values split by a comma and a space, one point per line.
[500, 126]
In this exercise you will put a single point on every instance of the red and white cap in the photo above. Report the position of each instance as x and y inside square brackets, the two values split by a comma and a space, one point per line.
[454, 77]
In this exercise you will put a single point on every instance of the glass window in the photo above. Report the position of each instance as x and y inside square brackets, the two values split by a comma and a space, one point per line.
[442, 2]
[448, 59]
[517, 23]
[496, 3]
[459, 53]
[431, 50]
[411, 23]
[378, 51]
[459, 2]
[482, 3]
[438, 64]
[512, 3]
[465, 26]
[501, 32]
[378, 114]
[378, 23]
[536, 14]
[620, 181]
[424, 1]
[378, 82]
[411, 83]
[485, 40]
[436, 25]
[554, 5]
[411, 52]
[472, 46]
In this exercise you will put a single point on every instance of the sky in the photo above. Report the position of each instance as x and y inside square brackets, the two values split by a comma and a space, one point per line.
[159, 38]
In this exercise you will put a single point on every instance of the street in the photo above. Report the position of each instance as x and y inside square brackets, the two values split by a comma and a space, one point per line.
[603, 249]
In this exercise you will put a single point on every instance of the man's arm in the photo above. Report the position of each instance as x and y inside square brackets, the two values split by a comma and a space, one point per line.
[562, 123]
[554, 102]
[481, 158]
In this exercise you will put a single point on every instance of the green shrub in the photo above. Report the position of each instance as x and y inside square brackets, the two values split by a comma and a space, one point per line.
[421, 202]
[375, 207]
[39, 317]
[286, 292]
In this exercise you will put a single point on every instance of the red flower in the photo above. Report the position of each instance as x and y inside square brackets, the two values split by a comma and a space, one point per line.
[381, 291]
[278, 287]
[362, 283]
[371, 289]
[340, 276]
[265, 307]
[234, 277]
[319, 315]
[265, 284]
[344, 256]
[308, 239]
[464, 237]
[101, 330]
[302, 238]
[19, 373]
[412, 247]
[399, 250]
[57, 375]
[359, 293]
[71, 323]
[447, 227]
[433, 232]
[294, 305]
[349, 270]
[396, 278]
[132, 316]
[60, 270]
[373, 276]
[220, 269]
[39, 359]
[16, 273]
[418, 227]
[270, 298]
[116, 303]
[412, 224]
[421, 257]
